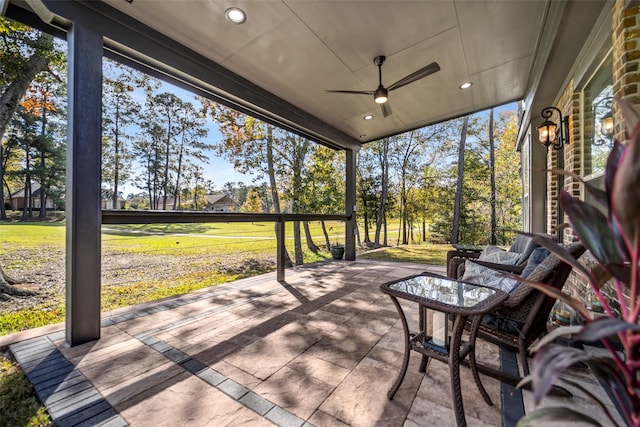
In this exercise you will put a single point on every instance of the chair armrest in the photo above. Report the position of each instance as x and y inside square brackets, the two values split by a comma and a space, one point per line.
[455, 258]
[505, 268]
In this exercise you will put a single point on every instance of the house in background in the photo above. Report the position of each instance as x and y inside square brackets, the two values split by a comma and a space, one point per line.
[221, 203]
[106, 200]
[16, 201]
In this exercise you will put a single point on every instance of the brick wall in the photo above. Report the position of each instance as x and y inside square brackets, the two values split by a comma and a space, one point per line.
[626, 85]
[626, 60]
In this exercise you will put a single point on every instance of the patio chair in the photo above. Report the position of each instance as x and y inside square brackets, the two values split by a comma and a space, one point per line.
[518, 254]
[522, 318]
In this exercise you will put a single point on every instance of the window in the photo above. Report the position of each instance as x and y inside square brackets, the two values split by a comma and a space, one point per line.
[598, 141]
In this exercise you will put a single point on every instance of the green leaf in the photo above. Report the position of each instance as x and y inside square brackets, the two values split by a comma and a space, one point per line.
[592, 228]
[603, 328]
[555, 413]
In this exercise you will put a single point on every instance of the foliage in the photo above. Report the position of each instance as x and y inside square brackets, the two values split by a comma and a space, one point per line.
[18, 405]
[613, 238]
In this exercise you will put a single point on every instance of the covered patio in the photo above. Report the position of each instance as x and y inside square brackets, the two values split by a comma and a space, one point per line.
[322, 345]
[320, 349]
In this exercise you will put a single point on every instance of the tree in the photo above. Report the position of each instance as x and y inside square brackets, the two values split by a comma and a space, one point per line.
[25, 54]
[253, 203]
[492, 165]
[249, 145]
[456, 212]
[321, 187]
[119, 112]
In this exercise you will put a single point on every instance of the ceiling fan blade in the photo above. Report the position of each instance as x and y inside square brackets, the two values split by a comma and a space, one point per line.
[386, 109]
[357, 92]
[417, 75]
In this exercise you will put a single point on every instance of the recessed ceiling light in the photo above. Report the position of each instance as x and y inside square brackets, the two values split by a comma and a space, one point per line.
[466, 85]
[235, 15]
[368, 117]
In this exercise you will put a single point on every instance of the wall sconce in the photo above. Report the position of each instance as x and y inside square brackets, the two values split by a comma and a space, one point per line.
[603, 115]
[606, 125]
[548, 131]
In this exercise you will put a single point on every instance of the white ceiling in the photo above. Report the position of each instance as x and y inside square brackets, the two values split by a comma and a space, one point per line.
[297, 49]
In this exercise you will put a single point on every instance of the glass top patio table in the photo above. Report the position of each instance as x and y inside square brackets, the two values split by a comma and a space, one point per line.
[467, 302]
[441, 293]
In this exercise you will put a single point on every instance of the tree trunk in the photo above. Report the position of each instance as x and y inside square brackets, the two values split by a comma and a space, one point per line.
[116, 157]
[43, 156]
[307, 234]
[7, 290]
[492, 161]
[456, 210]
[274, 190]
[297, 243]
[3, 211]
[365, 220]
[326, 235]
[383, 197]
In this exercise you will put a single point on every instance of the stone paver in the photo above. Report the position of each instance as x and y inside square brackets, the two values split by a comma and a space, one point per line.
[322, 349]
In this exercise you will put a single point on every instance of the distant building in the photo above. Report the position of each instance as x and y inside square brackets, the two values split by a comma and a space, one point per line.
[221, 203]
[16, 201]
[106, 200]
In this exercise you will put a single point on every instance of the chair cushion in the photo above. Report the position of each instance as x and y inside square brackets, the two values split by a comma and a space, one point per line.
[481, 275]
[498, 255]
[537, 256]
[520, 244]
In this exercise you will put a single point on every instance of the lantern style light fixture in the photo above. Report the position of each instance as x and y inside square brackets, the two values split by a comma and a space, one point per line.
[606, 125]
[603, 114]
[551, 134]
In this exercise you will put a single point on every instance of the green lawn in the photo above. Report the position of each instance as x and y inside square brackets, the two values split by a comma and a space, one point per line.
[147, 262]
[144, 263]
[426, 253]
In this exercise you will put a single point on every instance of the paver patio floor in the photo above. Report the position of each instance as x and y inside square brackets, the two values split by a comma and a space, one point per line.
[320, 349]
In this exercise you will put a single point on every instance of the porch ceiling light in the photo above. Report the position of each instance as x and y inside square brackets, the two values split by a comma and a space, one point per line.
[381, 95]
[548, 131]
[235, 15]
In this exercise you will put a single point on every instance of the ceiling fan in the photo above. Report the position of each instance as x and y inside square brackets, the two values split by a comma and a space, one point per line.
[381, 94]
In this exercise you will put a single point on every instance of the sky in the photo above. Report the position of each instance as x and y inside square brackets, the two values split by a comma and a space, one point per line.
[218, 169]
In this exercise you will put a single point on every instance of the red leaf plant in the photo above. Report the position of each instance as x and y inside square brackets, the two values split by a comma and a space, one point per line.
[613, 238]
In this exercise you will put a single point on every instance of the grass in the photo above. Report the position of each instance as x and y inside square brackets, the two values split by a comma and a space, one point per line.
[431, 254]
[18, 405]
[204, 253]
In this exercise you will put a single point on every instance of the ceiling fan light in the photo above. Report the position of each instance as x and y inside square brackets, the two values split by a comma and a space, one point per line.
[380, 95]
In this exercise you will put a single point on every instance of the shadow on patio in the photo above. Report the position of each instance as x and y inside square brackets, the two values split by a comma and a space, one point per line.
[321, 349]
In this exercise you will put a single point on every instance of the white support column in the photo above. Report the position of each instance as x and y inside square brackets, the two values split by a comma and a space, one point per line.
[82, 199]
